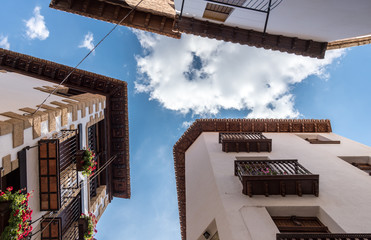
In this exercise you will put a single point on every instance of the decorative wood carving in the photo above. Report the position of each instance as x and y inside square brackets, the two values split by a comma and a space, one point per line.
[252, 38]
[144, 19]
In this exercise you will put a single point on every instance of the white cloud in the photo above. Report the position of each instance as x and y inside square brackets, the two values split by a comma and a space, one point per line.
[187, 124]
[88, 41]
[4, 42]
[202, 76]
[36, 27]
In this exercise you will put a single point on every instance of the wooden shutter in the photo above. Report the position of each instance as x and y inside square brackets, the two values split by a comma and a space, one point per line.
[53, 229]
[49, 176]
[300, 224]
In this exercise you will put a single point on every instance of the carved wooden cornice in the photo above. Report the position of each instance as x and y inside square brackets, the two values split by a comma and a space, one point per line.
[233, 125]
[252, 38]
[113, 11]
[117, 106]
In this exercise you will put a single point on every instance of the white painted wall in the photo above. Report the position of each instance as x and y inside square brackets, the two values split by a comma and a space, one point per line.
[321, 20]
[16, 91]
[212, 190]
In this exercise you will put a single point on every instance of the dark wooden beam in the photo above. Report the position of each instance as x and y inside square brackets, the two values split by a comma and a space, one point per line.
[252, 38]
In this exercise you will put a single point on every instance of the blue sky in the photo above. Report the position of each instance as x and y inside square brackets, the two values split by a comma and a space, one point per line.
[172, 82]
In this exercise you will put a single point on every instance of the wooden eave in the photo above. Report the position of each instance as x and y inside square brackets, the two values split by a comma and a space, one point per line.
[350, 42]
[112, 11]
[252, 38]
[116, 106]
[232, 125]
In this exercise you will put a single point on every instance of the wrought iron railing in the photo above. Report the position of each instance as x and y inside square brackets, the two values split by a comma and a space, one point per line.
[68, 147]
[64, 225]
[274, 177]
[323, 236]
[72, 232]
[69, 184]
[245, 142]
[71, 214]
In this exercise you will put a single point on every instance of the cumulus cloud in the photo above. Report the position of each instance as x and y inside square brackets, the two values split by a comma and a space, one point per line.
[4, 42]
[36, 27]
[87, 42]
[203, 76]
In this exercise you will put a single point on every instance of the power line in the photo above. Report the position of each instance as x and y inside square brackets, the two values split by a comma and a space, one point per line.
[74, 69]
[55, 89]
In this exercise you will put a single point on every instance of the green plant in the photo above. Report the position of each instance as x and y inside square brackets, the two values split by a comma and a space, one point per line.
[89, 164]
[20, 217]
[92, 222]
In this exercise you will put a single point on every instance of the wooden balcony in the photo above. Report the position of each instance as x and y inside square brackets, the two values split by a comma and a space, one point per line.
[57, 164]
[323, 236]
[290, 224]
[275, 177]
[65, 224]
[245, 142]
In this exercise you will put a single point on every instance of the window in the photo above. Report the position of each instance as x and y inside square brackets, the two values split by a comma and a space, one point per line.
[361, 162]
[290, 224]
[14, 172]
[217, 12]
[317, 139]
[11, 179]
[210, 233]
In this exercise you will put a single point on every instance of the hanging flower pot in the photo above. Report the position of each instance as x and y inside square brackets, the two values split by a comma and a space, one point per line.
[80, 159]
[19, 219]
[4, 214]
[83, 227]
[88, 223]
[85, 162]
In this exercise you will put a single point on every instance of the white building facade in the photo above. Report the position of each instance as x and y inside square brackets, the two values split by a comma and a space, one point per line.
[271, 179]
[39, 148]
[323, 21]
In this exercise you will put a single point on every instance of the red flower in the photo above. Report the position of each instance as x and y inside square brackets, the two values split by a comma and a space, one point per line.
[16, 212]
[9, 189]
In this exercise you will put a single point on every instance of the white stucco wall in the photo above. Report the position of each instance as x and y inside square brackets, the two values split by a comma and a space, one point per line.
[17, 91]
[319, 20]
[344, 190]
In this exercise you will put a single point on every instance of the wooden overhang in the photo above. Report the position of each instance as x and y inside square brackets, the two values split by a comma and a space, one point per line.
[350, 42]
[232, 125]
[253, 38]
[148, 18]
[116, 112]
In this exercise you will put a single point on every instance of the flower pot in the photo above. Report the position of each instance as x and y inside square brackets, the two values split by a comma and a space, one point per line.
[83, 227]
[4, 214]
[80, 159]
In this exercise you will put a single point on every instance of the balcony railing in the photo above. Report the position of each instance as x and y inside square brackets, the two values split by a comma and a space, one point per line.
[274, 177]
[245, 142]
[64, 226]
[58, 175]
[323, 236]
